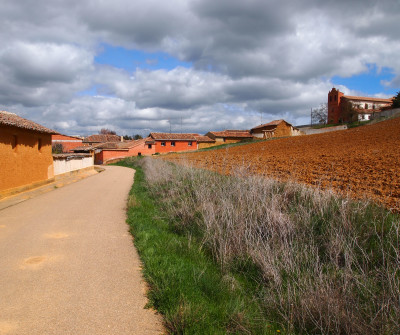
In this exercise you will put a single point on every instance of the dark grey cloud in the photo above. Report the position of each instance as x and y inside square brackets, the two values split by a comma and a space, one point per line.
[274, 57]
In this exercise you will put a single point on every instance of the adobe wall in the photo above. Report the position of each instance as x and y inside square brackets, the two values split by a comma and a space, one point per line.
[179, 146]
[228, 140]
[283, 130]
[23, 163]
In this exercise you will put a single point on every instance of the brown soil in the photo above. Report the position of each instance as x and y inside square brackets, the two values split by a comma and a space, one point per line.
[362, 162]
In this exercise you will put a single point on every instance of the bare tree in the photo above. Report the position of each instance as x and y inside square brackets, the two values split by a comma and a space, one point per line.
[319, 115]
[106, 131]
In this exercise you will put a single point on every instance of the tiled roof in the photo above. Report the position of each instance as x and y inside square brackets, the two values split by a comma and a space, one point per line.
[232, 133]
[56, 137]
[85, 148]
[204, 139]
[66, 155]
[11, 119]
[100, 138]
[272, 123]
[173, 136]
[367, 99]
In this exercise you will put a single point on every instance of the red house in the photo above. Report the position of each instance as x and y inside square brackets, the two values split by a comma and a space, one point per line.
[166, 142]
[68, 142]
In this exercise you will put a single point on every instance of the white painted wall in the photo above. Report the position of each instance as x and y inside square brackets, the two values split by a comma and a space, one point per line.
[71, 163]
[366, 117]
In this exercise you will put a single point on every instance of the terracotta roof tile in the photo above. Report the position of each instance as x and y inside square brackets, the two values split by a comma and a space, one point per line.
[232, 133]
[173, 136]
[11, 119]
[204, 139]
[350, 97]
[101, 138]
[84, 148]
[272, 123]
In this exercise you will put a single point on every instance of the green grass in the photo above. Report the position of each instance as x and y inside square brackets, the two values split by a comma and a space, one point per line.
[185, 284]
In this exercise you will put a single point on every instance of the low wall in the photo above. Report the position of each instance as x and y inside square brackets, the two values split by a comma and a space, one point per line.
[310, 130]
[64, 163]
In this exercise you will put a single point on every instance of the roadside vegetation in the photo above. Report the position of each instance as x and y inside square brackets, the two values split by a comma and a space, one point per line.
[230, 145]
[244, 254]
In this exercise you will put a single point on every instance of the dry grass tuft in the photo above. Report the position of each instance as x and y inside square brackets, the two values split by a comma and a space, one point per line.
[328, 265]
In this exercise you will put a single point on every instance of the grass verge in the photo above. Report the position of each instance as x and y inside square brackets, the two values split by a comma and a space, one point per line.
[227, 254]
[186, 285]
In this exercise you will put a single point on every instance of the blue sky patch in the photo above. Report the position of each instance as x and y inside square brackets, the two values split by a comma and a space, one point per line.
[129, 60]
[368, 83]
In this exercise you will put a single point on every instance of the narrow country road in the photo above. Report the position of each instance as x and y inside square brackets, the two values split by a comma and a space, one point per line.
[68, 264]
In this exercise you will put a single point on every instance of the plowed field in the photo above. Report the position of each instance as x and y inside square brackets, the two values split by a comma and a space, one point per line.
[363, 162]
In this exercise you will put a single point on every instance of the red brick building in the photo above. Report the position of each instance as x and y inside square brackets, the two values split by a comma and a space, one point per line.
[339, 107]
[68, 142]
[112, 151]
[166, 142]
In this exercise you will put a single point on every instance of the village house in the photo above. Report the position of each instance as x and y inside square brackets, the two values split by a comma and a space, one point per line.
[67, 142]
[229, 136]
[339, 107]
[113, 151]
[107, 152]
[276, 128]
[204, 142]
[25, 154]
[173, 142]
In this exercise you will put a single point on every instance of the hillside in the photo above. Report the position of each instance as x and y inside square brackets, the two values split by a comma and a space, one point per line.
[363, 162]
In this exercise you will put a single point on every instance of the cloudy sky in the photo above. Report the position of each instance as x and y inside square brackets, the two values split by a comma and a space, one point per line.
[137, 66]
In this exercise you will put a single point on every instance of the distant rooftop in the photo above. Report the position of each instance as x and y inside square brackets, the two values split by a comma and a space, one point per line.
[173, 136]
[101, 138]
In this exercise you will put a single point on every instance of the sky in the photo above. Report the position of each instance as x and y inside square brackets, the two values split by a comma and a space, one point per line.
[141, 66]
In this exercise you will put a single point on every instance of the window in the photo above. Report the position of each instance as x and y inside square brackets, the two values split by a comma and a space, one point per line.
[149, 146]
[366, 106]
[39, 144]
[14, 142]
[190, 143]
[335, 97]
[330, 98]
[172, 143]
[163, 144]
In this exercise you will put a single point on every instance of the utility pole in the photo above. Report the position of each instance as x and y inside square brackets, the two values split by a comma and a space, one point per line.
[311, 116]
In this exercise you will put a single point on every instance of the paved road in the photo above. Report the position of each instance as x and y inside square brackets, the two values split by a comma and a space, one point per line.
[68, 265]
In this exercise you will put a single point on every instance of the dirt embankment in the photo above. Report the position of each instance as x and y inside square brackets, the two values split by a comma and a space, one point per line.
[363, 161]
